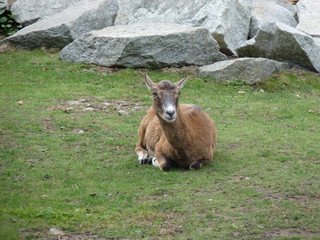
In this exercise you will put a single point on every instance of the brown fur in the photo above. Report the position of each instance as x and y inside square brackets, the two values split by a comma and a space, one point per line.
[187, 142]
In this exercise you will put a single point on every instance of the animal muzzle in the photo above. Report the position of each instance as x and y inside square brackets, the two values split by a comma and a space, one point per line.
[169, 113]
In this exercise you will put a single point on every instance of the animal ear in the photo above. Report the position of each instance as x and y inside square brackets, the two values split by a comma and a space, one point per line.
[182, 82]
[149, 83]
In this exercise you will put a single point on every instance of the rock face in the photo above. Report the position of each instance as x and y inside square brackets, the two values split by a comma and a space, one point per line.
[271, 26]
[283, 43]
[29, 11]
[317, 41]
[147, 45]
[250, 70]
[309, 17]
[227, 20]
[265, 12]
[126, 9]
[62, 28]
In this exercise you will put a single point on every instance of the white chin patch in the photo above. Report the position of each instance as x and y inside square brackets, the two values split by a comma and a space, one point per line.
[169, 119]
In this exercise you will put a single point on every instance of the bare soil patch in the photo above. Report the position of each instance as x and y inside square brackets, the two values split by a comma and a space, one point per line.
[90, 104]
[41, 235]
[291, 232]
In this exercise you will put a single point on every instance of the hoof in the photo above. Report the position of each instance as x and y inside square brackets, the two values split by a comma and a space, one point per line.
[155, 162]
[150, 160]
[143, 161]
[166, 167]
[142, 157]
[195, 166]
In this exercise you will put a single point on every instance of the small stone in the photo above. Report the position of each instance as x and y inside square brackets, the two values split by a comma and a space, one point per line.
[107, 103]
[73, 102]
[89, 109]
[55, 231]
[122, 112]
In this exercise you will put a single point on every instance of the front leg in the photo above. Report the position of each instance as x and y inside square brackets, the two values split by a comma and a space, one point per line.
[142, 155]
[162, 155]
[161, 161]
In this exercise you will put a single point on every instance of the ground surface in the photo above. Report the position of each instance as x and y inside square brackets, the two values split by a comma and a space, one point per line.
[68, 168]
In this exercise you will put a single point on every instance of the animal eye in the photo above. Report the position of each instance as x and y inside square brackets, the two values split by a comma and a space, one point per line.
[155, 95]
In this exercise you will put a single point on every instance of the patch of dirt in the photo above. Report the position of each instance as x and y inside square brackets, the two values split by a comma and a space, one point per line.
[84, 105]
[40, 235]
[6, 47]
[291, 232]
[82, 236]
[51, 50]
[106, 70]
[233, 146]
[183, 70]
[171, 226]
[284, 195]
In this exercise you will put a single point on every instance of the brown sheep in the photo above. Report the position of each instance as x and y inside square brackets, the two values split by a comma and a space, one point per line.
[173, 134]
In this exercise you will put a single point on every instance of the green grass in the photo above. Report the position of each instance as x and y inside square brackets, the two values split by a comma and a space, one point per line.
[72, 168]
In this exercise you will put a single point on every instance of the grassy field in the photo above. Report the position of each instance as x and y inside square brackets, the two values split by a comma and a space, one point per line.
[67, 139]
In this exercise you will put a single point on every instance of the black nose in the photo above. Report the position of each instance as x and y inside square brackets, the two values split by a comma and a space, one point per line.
[170, 113]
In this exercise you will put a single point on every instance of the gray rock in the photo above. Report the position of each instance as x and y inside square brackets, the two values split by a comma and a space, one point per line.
[3, 4]
[291, 8]
[27, 12]
[126, 9]
[265, 12]
[55, 231]
[228, 21]
[250, 70]
[280, 42]
[317, 41]
[309, 17]
[58, 30]
[147, 45]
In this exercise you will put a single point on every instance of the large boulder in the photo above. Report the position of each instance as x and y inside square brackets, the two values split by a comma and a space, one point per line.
[280, 42]
[227, 20]
[265, 12]
[250, 70]
[126, 9]
[27, 12]
[309, 17]
[62, 28]
[147, 45]
[285, 4]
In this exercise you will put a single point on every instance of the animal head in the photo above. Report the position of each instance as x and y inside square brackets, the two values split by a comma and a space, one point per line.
[165, 97]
